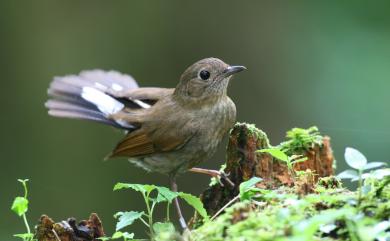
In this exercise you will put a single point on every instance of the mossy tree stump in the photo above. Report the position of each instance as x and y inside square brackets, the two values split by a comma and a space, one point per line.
[243, 162]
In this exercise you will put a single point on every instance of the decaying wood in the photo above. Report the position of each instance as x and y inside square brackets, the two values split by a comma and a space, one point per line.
[243, 163]
[70, 230]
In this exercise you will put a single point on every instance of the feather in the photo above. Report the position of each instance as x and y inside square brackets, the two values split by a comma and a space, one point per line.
[105, 103]
[92, 95]
[144, 142]
[80, 115]
[62, 105]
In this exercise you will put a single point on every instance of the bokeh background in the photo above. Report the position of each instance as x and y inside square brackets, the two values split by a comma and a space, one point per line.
[309, 63]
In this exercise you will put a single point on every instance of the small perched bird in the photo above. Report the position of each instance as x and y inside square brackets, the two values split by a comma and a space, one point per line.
[169, 131]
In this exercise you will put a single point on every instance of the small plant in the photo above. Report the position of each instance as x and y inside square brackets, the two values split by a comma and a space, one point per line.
[359, 163]
[20, 207]
[164, 195]
[282, 156]
[301, 139]
[247, 190]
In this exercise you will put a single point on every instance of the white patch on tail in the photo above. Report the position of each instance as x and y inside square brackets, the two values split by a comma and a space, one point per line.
[142, 104]
[105, 103]
[116, 87]
[100, 86]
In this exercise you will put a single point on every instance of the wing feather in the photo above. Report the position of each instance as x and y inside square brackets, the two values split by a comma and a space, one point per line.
[141, 143]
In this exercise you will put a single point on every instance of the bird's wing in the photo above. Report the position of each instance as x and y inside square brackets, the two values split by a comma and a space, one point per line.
[141, 144]
[96, 95]
[157, 138]
[147, 94]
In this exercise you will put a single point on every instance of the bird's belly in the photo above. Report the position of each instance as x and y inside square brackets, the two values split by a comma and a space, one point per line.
[171, 162]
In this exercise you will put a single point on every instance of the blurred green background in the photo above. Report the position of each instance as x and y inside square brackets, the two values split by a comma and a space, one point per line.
[309, 63]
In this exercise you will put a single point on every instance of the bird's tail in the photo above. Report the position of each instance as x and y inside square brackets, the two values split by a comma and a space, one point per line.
[92, 95]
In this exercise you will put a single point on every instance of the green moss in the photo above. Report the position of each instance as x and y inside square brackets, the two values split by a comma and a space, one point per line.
[254, 132]
[299, 140]
[329, 182]
[331, 213]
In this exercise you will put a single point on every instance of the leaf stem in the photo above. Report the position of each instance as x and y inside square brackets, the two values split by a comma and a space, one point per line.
[26, 223]
[25, 189]
[168, 211]
[224, 207]
[360, 186]
[24, 214]
[150, 217]
[144, 222]
[152, 209]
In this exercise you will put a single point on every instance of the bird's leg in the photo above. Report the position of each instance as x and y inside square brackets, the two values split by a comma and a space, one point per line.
[182, 221]
[213, 173]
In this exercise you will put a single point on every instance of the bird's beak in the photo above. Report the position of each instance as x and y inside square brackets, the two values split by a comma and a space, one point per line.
[232, 70]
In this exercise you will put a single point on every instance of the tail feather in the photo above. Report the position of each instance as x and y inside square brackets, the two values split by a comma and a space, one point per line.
[69, 98]
[81, 116]
[92, 95]
[63, 105]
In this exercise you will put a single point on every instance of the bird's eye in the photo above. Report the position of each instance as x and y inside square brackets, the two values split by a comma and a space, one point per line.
[204, 74]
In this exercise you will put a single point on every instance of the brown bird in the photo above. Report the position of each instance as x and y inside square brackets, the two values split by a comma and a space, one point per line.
[169, 131]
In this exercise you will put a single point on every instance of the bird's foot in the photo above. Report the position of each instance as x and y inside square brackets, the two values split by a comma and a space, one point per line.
[220, 176]
[224, 176]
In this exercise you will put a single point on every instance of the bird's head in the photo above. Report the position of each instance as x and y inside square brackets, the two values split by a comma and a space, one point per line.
[206, 79]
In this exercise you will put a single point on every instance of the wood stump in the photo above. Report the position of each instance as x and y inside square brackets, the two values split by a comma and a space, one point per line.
[243, 162]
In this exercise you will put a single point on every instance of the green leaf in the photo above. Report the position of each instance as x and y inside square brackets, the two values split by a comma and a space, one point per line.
[117, 235]
[327, 228]
[363, 177]
[104, 238]
[308, 227]
[196, 203]
[381, 173]
[163, 227]
[299, 160]
[126, 218]
[20, 205]
[120, 234]
[355, 158]
[246, 186]
[372, 165]
[277, 153]
[164, 194]
[144, 189]
[348, 174]
[381, 227]
[366, 189]
[23, 180]
[128, 235]
[24, 236]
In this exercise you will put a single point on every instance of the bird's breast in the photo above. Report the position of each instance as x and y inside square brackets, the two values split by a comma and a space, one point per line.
[212, 124]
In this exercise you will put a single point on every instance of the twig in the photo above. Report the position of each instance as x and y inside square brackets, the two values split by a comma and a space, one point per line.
[55, 234]
[224, 207]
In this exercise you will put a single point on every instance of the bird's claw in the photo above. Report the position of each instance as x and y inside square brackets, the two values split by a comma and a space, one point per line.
[224, 176]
